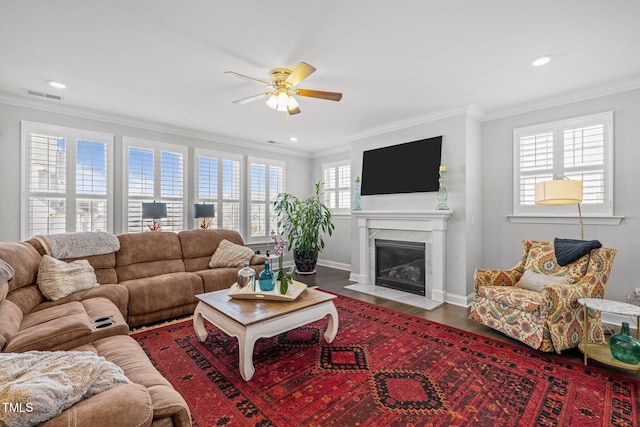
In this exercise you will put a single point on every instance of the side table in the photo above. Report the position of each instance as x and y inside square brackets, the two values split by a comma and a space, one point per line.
[602, 352]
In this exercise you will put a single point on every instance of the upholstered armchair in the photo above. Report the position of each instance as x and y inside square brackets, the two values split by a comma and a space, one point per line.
[546, 316]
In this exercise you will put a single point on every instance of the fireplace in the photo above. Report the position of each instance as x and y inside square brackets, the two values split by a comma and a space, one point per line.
[400, 265]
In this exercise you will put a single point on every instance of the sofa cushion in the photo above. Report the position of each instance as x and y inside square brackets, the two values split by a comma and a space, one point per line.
[6, 274]
[518, 298]
[199, 245]
[10, 320]
[216, 279]
[24, 260]
[542, 259]
[169, 408]
[57, 279]
[51, 382]
[536, 281]
[229, 254]
[148, 254]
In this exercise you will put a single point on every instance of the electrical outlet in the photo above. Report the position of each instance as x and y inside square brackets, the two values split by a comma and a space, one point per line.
[638, 292]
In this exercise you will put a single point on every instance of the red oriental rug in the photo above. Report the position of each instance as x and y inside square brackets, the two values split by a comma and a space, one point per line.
[385, 368]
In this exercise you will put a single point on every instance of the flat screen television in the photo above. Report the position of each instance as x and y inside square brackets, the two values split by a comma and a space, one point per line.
[411, 167]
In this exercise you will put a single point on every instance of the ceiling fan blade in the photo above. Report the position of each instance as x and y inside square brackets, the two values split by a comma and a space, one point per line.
[242, 76]
[301, 72]
[293, 111]
[251, 98]
[331, 96]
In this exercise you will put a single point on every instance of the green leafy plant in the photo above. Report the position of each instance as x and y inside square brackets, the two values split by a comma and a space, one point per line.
[304, 221]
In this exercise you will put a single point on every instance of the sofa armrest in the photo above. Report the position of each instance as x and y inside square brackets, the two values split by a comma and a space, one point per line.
[127, 405]
[484, 277]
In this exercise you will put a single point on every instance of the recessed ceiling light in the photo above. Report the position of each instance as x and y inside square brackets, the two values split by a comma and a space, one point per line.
[538, 62]
[56, 84]
[293, 139]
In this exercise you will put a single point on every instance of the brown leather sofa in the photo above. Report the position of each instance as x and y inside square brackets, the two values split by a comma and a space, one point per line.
[152, 277]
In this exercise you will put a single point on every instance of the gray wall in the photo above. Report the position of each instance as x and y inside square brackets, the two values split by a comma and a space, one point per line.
[298, 179]
[501, 245]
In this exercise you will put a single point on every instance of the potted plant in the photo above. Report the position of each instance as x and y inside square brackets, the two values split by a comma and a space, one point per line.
[303, 222]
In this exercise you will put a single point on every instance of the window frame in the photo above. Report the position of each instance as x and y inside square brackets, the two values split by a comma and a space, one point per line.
[338, 189]
[267, 202]
[70, 195]
[557, 128]
[221, 156]
[157, 147]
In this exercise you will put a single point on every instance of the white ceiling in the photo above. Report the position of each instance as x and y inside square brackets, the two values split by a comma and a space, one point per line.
[163, 60]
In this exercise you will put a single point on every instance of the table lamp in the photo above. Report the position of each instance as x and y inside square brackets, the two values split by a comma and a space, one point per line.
[155, 211]
[560, 192]
[204, 212]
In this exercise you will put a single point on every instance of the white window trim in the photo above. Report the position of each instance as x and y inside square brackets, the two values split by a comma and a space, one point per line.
[338, 211]
[268, 162]
[565, 214]
[220, 155]
[128, 142]
[70, 196]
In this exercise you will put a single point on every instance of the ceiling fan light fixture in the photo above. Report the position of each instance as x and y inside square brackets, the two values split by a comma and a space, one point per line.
[292, 103]
[272, 102]
[283, 100]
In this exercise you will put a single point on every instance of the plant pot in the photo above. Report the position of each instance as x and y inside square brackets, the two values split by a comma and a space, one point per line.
[305, 262]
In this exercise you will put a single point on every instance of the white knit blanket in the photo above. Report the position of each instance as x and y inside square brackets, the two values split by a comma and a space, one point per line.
[37, 385]
[78, 245]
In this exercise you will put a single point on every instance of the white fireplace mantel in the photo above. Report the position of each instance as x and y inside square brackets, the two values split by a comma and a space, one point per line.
[434, 222]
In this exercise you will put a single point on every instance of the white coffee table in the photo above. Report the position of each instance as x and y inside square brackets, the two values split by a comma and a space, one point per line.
[249, 320]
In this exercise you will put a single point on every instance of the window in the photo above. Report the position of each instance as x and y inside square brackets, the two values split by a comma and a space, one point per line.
[67, 180]
[155, 172]
[579, 149]
[337, 186]
[218, 181]
[266, 180]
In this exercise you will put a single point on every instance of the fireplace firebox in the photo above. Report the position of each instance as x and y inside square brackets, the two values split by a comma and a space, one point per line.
[400, 265]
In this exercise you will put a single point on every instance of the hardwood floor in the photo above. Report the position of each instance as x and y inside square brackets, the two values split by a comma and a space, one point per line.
[335, 280]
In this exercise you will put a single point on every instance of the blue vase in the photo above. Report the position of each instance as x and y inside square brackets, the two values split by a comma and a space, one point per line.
[265, 279]
[624, 347]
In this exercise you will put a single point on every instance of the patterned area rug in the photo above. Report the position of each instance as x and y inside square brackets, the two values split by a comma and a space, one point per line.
[385, 368]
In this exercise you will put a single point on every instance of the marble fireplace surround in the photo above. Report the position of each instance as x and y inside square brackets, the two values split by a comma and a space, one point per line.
[427, 227]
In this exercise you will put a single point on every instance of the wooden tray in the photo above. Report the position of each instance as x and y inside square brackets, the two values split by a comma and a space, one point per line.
[294, 291]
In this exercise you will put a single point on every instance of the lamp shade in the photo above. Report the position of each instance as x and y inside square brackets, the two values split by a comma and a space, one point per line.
[202, 210]
[559, 192]
[154, 210]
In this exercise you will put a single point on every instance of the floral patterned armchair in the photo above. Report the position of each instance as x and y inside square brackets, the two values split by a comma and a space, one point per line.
[550, 319]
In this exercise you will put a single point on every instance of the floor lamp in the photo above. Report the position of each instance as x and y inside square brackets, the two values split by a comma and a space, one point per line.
[560, 192]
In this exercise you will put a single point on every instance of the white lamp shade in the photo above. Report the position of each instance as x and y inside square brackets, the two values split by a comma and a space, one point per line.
[559, 192]
[202, 210]
[154, 210]
[272, 102]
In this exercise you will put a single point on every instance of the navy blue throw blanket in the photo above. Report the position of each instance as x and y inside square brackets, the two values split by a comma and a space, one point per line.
[569, 250]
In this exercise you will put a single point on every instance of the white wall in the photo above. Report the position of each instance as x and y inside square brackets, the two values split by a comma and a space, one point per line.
[298, 179]
[501, 246]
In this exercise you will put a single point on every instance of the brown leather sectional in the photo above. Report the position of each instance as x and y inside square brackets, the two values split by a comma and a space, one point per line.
[152, 277]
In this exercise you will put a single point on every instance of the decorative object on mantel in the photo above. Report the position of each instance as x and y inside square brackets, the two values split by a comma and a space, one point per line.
[625, 347]
[560, 192]
[154, 211]
[356, 194]
[304, 221]
[204, 212]
[442, 191]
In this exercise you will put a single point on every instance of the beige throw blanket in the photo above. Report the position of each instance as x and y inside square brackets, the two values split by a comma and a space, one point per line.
[78, 245]
[37, 385]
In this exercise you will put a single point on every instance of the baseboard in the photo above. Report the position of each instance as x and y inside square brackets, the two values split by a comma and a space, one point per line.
[334, 264]
[460, 300]
[357, 277]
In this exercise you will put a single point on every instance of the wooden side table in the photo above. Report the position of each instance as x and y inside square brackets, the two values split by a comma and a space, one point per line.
[602, 352]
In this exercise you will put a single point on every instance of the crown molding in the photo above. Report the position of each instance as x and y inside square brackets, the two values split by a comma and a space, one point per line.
[335, 150]
[85, 113]
[445, 113]
[567, 98]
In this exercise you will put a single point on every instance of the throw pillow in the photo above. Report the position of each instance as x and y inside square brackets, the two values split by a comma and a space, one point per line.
[536, 281]
[57, 279]
[542, 259]
[569, 250]
[229, 254]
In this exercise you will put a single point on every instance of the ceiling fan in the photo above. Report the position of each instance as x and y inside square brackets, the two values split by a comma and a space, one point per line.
[283, 88]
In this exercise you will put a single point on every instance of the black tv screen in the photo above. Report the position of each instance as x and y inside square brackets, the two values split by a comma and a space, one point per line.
[411, 167]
